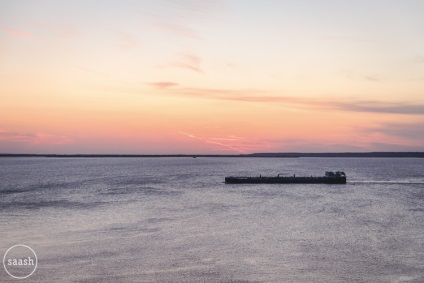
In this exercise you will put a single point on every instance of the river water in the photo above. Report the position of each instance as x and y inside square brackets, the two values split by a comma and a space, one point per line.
[174, 220]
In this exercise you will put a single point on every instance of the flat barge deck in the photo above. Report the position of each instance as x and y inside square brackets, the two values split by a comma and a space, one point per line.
[329, 178]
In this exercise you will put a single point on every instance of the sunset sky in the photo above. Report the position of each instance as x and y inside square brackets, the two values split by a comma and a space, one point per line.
[211, 76]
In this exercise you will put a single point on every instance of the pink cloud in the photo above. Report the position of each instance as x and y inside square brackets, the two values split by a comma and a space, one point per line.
[17, 32]
[33, 138]
[163, 84]
[214, 142]
[17, 136]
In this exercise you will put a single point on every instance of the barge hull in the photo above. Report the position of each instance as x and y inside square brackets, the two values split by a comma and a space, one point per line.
[285, 180]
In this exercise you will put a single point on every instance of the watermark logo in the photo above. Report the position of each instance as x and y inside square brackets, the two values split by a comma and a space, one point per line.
[20, 261]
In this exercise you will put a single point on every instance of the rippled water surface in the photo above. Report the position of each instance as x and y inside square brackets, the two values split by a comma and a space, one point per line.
[174, 220]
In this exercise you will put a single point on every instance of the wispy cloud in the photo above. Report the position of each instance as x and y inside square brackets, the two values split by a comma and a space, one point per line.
[233, 143]
[17, 136]
[17, 32]
[89, 70]
[214, 142]
[179, 30]
[371, 78]
[414, 131]
[190, 62]
[352, 105]
[190, 135]
[260, 96]
[33, 138]
[226, 146]
[379, 107]
[264, 96]
[182, 18]
[162, 85]
[225, 139]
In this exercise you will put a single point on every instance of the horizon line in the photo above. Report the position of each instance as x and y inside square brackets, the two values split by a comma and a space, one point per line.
[258, 154]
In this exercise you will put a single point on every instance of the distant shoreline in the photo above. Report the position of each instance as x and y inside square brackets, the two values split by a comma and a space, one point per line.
[268, 155]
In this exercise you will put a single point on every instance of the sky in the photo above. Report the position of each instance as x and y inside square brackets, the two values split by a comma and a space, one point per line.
[211, 76]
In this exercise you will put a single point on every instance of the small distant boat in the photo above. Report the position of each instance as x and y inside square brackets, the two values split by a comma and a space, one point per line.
[329, 178]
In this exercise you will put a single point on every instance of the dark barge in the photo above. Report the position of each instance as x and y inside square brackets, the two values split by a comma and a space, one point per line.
[329, 178]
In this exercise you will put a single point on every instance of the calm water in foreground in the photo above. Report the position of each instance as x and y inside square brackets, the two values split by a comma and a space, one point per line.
[174, 220]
